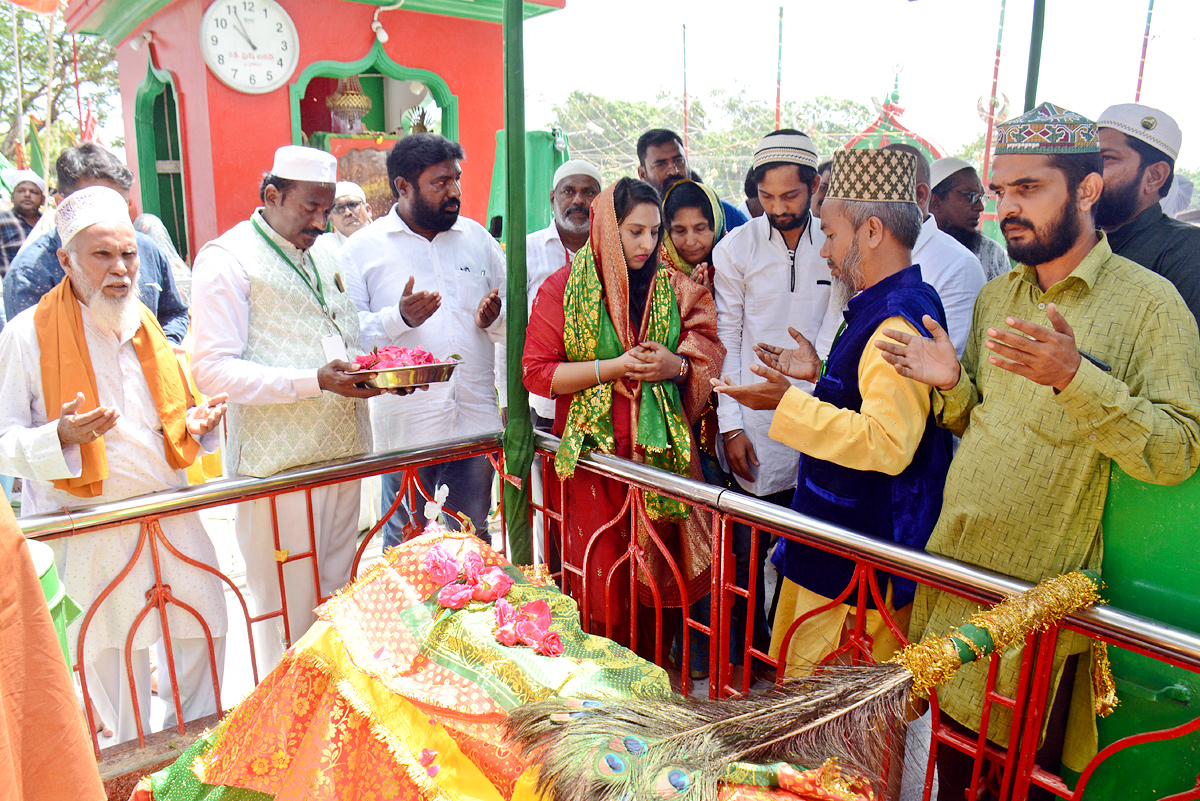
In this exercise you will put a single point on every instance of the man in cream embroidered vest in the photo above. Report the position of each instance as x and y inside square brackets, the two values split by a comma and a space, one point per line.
[274, 330]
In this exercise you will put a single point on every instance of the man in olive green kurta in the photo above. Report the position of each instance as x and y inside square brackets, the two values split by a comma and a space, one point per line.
[1092, 359]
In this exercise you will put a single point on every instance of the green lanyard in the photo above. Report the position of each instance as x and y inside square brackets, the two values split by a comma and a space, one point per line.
[825, 362]
[317, 290]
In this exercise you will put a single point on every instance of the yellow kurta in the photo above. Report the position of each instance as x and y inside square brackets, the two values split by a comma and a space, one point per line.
[1026, 490]
[883, 436]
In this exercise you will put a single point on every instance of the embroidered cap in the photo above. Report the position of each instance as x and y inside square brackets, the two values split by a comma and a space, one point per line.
[95, 204]
[790, 148]
[942, 169]
[1155, 128]
[296, 163]
[349, 189]
[875, 176]
[576, 167]
[1047, 130]
[14, 177]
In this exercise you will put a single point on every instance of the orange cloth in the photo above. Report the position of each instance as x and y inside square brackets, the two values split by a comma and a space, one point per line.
[45, 752]
[67, 369]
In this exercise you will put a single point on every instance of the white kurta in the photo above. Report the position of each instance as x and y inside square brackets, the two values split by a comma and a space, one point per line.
[756, 302]
[137, 465]
[463, 264]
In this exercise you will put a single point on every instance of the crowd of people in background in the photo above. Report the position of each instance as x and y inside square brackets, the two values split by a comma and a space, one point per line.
[845, 342]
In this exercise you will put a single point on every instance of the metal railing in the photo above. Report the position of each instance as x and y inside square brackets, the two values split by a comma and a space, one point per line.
[1012, 768]
[148, 511]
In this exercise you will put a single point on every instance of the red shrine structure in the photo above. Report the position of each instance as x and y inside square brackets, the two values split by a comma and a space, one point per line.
[210, 88]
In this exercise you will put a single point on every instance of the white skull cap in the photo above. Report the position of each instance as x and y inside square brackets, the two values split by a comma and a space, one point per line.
[1156, 128]
[350, 188]
[95, 204]
[296, 163]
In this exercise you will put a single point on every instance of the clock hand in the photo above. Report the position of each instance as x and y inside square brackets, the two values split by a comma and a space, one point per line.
[242, 30]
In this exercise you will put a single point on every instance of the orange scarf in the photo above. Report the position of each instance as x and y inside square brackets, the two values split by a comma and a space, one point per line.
[67, 369]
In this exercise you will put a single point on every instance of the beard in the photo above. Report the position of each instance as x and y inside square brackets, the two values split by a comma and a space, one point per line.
[437, 219]
[967, 237]
[564, 221]
[845, 283]
[1049, 242]
[114, 315]
[1118, 204]
[790, 222]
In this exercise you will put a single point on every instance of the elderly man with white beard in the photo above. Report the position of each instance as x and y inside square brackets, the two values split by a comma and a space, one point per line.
[94, 408]
[871, 457]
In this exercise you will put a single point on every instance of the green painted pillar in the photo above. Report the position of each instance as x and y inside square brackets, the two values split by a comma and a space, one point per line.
[1035, 54]
[518, 435]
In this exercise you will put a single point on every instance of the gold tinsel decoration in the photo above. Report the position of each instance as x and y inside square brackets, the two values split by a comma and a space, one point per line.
[934, 659]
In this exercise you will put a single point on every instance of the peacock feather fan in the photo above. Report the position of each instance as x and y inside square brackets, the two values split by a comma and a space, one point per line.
[643, 749]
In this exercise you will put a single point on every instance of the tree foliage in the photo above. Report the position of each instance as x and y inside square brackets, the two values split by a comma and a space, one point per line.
[42, 79]
[723, 128]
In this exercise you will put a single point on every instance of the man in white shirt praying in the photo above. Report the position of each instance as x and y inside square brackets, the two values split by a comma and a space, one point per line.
[94, 408]
[423, 276]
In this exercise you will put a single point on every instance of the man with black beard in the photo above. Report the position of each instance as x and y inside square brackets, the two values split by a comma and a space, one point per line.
[422, 276]
[769, 279]
[956, 203]
[1139, 146]
[1077, 359]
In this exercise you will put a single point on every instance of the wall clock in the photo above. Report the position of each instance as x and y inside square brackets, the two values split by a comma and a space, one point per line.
[250, 45]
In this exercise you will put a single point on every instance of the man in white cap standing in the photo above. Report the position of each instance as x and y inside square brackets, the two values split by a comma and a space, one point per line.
[351, 212]
[1139, 146]
[769, 278]
[94, 409]
[956, 203]
[424, 276]
[275, 331]
[28, 195]
[576, 185]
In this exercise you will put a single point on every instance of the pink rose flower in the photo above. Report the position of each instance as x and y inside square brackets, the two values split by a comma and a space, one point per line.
[504, 612]
[539, 612]
[507, 635]
[472, 565]
[455, 596]
[426, 758]
[492, 585]
[441, 565]
[551, 645]
[529, 633]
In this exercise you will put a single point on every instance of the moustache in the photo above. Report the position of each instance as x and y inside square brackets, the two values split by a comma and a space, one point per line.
[1015, 222]
[450, 206]
[312, 231]
[577, 210]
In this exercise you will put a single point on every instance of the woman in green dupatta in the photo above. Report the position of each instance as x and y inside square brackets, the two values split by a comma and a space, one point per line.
[627, 350]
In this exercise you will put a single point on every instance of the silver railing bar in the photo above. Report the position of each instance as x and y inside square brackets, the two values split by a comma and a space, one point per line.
[241, 488]
[1103, 621]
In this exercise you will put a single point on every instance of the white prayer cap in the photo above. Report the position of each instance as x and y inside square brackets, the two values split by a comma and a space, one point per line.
[14, 177]
[95, 204]
[577, 167]
[297, 163]
[1152, 126]
[942, 169]
[790, 148]
[350, 188]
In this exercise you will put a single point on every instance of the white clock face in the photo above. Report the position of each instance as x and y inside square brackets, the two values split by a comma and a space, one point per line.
[250, 45]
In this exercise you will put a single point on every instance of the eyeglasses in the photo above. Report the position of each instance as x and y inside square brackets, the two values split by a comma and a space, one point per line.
[352, 206]
[972, 197]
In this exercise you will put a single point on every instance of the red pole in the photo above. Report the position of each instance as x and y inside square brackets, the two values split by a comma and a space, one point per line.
[987, 145]
[779, 73]
[685, 97]
[1137, 96]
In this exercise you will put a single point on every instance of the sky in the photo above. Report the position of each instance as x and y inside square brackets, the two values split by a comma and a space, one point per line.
[944, 51]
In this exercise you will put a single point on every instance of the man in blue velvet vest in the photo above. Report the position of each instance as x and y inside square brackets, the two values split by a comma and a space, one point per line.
[872, 459]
